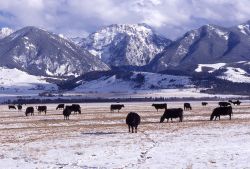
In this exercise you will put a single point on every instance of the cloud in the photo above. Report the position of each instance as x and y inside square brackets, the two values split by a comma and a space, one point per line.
[77, 17]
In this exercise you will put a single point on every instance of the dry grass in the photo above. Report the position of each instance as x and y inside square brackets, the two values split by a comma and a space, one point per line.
[15, 127]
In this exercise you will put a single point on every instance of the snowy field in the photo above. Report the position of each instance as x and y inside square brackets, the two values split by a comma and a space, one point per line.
[100, 139]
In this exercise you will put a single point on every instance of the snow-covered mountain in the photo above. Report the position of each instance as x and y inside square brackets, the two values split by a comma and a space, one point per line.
[5, 32]
[125, 44]
[207, 45]
[40, 52]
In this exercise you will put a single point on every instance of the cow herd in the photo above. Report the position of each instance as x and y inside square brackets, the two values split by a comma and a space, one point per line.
[67, 110]
[225, 108]
[133, 119]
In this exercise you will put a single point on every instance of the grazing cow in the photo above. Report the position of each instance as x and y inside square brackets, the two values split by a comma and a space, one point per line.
[236, 102]
[76, 108]
[67, 112]
[19, 107]
[116, 107]
[172, 113]
[60, 106]
[12, 107]
[160, 106]
[42, 109]
[224, 104]
[204, 103]
[187, 106]
[133, 120]
[29, 110]
[221, 111]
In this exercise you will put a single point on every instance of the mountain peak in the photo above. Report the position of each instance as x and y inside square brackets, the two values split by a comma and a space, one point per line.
[125, 44]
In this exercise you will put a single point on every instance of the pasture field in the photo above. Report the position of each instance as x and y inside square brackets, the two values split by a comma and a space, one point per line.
[98, 138]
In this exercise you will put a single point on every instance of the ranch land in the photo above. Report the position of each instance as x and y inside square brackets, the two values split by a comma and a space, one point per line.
[98, 138]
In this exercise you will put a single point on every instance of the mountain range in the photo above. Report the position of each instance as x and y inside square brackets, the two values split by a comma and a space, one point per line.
[218, 51]
[40, 52]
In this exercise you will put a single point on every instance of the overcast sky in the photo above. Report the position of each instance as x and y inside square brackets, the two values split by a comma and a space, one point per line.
[171, 18]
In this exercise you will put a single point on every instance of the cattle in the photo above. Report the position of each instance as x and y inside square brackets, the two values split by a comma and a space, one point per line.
[42, 109]
[204, 103]
[116, 107]
[12, 107]
[160, 106]
[133, 120]
[224, 104]
[187, 106]
[60, 106]
[29, 110]
[19, 107]
[236, 102]
[221, 111]
[172, 113]
[76, 108]
[67, 112]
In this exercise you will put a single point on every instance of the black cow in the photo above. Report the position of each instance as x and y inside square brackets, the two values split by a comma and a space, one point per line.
[19, 107]
[12, 107]
[67, 112]
[224, 104]
[160, 106]
[42, 109]
[172, 113]
[116, 107]
[236, 102]
[60, 106]
[29, 110]
[76, 108]
[133, 120]
[187, 106]
[221, 111]
[204, 103]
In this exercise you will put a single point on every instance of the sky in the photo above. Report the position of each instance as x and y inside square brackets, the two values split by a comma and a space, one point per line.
[171, 18]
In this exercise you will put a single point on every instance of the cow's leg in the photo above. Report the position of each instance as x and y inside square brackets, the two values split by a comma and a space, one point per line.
[167, 120]
[129, 129]
[135, 129]
[229, 116]
[132, 129]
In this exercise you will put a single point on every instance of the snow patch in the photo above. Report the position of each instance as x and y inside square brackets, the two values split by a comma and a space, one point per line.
[5, 32]
[214, 67]
[245, 29]
[14, 80]
[236, 75]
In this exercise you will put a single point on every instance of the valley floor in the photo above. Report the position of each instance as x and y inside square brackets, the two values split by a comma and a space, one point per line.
[100, 139]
